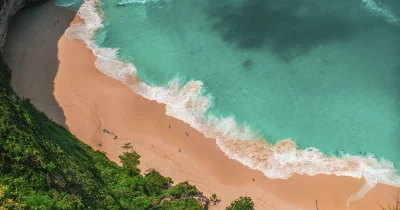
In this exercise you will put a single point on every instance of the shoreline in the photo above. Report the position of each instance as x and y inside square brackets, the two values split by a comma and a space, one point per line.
[186, 103]
[91, 102]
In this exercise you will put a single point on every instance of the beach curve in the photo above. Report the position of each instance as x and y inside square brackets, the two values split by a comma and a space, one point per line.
[107, 104]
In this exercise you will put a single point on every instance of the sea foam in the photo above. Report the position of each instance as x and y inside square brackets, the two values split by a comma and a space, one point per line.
[70, 4]
[125, 2]
[238, 142]
[377, 10]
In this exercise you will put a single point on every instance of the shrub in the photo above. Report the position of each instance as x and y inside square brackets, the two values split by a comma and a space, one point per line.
[243, 203]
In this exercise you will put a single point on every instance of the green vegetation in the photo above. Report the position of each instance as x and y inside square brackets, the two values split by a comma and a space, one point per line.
[43, 166]
[214, 199]
[243, 203]
[396, 207]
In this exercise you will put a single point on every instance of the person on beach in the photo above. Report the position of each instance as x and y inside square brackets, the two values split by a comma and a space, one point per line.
[179, 150]
[254, 180]
[187, 134]
[169, 126]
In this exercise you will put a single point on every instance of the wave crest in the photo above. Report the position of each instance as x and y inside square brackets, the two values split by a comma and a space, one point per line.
[125, 2]
[375, 9]
[238, 142]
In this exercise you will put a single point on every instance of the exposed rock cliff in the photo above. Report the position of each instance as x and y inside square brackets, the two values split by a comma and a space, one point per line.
[8, 8]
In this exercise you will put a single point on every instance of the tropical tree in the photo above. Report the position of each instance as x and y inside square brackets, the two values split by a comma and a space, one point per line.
[214, 199]
[130, 161]
[127, 146]
[397, 207]
[243, 203]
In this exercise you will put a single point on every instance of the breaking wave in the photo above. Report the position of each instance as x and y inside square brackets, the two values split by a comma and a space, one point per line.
[125, 2]
[238, 142]
[70, 4]
[379, 10]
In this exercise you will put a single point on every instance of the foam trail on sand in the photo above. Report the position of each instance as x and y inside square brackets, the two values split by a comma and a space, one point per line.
[360, 194]
[238, 142]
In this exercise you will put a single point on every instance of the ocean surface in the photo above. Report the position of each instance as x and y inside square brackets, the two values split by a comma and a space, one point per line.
[317, 81]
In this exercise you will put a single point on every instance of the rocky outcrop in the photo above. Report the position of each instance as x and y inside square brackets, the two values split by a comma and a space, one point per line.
[8, 8]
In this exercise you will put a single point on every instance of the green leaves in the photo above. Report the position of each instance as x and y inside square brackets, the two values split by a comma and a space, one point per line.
[243, 203]
[156, 184]
[214, 199]
[397, 207]
[5, 73]
[183, 189]
[127, 146]
[43, 166]
[182, 204]
[50, 166]
[130, 161]
[39, 202]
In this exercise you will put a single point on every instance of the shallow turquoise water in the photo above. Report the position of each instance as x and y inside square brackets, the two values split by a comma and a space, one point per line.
[325, 73]
[70, 4]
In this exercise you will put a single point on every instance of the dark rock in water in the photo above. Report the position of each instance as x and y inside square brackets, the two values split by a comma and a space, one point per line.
[248, 64]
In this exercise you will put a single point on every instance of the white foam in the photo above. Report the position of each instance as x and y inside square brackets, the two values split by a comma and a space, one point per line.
[360, 194]
[375, 9]
[186, 103]
[125, 2]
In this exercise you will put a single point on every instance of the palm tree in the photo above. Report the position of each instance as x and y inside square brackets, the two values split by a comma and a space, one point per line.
[214, 199]
[397, 207]
[391, 208]
[127, 146]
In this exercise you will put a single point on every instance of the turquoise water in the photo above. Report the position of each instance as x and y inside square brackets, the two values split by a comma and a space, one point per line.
[325, 74]
[70, 4]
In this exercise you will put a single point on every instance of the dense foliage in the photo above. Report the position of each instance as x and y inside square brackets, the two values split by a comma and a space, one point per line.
[243, 203]
[43, 166]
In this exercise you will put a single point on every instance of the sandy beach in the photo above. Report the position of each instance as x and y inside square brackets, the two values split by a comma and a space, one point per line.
[60, 78]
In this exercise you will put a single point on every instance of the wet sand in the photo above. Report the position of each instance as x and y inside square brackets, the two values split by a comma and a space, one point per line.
[91, 102]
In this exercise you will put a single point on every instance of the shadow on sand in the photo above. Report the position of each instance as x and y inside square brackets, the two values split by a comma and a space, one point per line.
[31, 52]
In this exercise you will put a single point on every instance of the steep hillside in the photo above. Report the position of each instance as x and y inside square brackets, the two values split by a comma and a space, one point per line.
[43, 166]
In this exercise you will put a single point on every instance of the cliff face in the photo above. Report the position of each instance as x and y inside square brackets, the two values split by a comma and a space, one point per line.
[8, 8]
